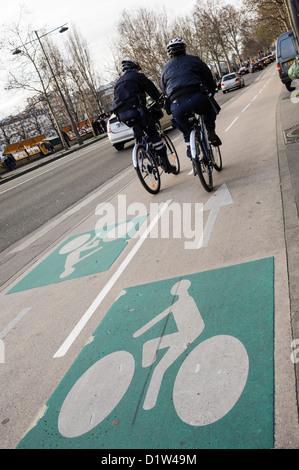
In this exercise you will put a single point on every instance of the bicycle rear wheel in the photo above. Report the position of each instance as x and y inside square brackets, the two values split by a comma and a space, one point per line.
[201, 162]
[217, 159]
[146, 169]
[172, 155]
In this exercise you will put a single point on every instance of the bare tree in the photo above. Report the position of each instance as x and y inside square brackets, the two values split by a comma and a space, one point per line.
[79, 55]
[271, 14]
[28, 71]
[143, 36]
[208, 14]
[236, 25]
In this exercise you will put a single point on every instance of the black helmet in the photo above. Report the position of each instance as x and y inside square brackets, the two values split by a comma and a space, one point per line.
[129, 64]
[176, 47]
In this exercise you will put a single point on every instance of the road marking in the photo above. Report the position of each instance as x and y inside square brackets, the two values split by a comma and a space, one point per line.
[72, 211]
[88, 314]
[231, 124]
[143, 353]
[221, 197]
[248, 103]
[246, 107]
[14, 322]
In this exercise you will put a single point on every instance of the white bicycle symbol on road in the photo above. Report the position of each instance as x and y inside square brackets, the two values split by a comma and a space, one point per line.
[208, 384]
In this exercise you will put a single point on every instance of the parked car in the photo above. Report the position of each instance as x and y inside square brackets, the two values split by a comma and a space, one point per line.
[253, 66]
[265, 61]
[243, 70]
[286, 52]
[119, 133]
[218, 84]
[231, 81]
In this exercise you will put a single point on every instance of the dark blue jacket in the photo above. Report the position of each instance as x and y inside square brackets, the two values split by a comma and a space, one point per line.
[186, 71]
[131, 89]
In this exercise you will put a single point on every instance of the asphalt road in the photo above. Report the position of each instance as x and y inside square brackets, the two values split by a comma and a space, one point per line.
[33, 199]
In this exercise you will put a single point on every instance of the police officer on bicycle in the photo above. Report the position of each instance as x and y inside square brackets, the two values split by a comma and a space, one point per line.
[130, 106]
[182, 80]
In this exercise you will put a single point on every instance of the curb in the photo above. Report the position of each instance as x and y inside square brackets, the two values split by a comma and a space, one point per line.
[291, 229]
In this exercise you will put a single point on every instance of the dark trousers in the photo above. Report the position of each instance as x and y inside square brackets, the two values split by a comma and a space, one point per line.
[144, 121]
[197, 103]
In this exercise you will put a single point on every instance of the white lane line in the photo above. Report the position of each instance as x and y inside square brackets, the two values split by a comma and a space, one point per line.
[231, 124]
[248, 103]
[72, 211]
[246, 107]
[14, 322]
[88, 314]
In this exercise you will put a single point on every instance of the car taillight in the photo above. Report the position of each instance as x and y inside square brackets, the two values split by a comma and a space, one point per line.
[279, 68]
[237, 80]
[222, 84]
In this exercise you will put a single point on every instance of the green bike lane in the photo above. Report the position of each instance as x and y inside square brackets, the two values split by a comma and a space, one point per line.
[185, 357]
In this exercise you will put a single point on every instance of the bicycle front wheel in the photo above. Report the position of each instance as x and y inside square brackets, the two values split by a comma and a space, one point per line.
[146, 169]
[172, 155]
[217, 159]
[201, 162]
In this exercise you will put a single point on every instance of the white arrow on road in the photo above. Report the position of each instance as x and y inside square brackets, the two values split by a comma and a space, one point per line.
[221, 197]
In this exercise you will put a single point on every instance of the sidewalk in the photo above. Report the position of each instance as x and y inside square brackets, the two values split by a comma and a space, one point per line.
[44, 160]
[288, 155]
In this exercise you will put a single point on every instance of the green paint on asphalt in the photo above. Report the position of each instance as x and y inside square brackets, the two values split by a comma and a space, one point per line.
[81, 255]
[236, 306]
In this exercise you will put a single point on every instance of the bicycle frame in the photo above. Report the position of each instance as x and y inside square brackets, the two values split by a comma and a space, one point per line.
[148, 148]
[199, 127]
[202, 165]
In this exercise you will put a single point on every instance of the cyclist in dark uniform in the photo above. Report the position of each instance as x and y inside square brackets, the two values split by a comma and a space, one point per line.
[130, 104]
[182, 78]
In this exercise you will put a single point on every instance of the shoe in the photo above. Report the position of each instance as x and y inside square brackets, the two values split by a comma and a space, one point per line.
[170, 169]
[214, 139]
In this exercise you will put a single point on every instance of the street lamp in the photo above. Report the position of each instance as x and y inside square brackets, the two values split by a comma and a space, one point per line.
[62, 29]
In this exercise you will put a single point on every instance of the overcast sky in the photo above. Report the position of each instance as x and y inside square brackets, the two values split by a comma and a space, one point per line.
[95, 19]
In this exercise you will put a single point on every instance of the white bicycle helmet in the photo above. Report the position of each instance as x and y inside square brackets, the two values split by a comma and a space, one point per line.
[176, 47]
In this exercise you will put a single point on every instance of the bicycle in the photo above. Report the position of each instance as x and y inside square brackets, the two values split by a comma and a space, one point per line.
[147, 163]
[210, 156]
